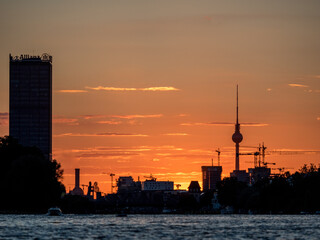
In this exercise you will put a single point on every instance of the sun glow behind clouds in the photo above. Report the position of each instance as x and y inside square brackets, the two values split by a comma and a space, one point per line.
[122, 116]
[175, 134]
[4, 118]
[153, 89]
[109, 122]
[100, 135]
[71, 91]
[224, 124]
[297, 85]
[140, 67]
[137, 116]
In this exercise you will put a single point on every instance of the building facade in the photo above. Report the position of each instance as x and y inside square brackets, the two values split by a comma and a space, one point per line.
[195, 190]
[211, 175]
[259, 173]
[30, 114]
[127, 184]
[240, 175]
[153, 185]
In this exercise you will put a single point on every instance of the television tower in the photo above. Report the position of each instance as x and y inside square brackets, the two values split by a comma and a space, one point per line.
[237, 136]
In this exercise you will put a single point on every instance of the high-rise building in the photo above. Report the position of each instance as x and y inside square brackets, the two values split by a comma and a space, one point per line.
[211, 175]
[30, 115]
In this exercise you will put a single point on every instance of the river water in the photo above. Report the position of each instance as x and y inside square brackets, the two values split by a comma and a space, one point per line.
[160, 227]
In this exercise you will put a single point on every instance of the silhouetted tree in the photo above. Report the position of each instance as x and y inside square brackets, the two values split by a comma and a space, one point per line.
[230, 192]
[306, 185]
[28, 181]
[285, 193]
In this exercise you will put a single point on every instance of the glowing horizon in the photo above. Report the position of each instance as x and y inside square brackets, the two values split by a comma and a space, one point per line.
[144, 87]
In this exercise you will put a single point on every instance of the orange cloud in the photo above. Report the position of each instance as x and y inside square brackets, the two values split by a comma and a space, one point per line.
[107, 154]
[4, 118]
[224, 124]
[118, 151]
[297, 85]
[69, 121]
[137, 116]
[182, 115]
[176, 134]
[100, 135]
[122, 116]
[159, 89]
[109, 122]
[92, 116]
[111, 88]
[255, 124]
[71, 91]
[153, 89]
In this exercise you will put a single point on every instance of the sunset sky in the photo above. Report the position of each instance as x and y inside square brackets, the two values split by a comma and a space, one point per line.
[146, 87]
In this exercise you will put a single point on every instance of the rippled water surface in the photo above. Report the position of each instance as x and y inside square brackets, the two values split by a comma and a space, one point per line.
[160, 227]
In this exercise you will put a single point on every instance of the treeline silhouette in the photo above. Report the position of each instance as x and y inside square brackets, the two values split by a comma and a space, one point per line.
[28, 181]
[283, 193]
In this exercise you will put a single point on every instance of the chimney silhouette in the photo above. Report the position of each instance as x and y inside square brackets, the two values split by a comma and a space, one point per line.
[77, 175]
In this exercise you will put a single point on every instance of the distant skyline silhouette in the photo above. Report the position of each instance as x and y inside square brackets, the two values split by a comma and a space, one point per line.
[144, 87]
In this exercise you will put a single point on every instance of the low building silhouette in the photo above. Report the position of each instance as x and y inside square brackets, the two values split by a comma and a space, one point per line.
[259, 173]
[195, 190]
[127, 184]
[240, 175]
[154, 185]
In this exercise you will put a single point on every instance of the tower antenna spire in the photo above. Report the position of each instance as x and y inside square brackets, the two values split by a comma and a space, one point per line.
[237, 107]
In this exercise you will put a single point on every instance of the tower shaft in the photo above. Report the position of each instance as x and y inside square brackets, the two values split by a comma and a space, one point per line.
[237, 137]
[237, 167]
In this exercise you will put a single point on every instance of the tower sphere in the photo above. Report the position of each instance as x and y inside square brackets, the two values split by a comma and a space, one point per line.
[237, 137]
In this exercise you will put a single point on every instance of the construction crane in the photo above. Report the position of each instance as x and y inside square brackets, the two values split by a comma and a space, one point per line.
[263, 151]
[152, 178]
[83, 185]
[112, 175]
[288, 152]
[259, 156]
[255, 155]
[266, 163]
[219, 152]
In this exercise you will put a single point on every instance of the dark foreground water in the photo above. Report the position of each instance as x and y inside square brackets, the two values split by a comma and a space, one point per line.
[160, 227]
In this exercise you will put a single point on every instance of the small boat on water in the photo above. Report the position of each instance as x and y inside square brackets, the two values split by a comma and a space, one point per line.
[55, 211]
[167, 210]
[122, 214]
